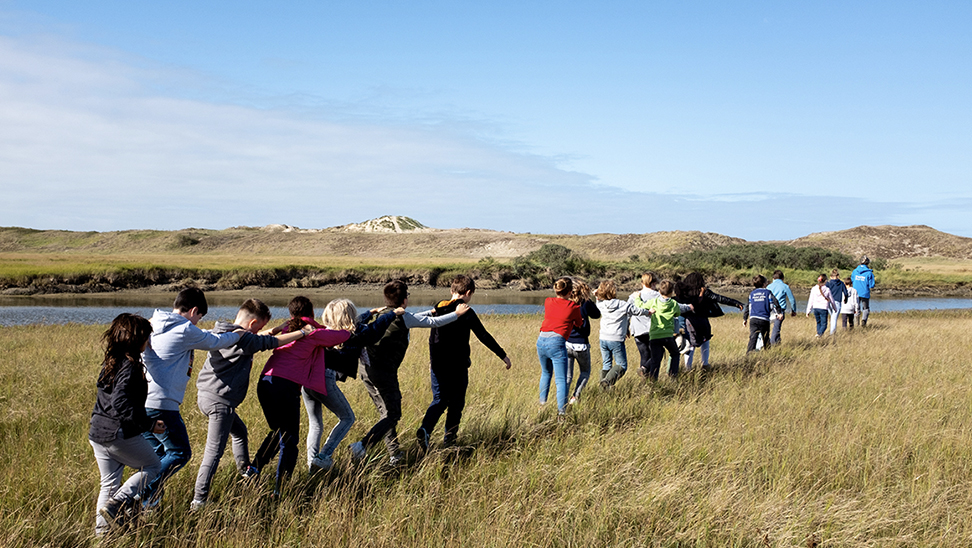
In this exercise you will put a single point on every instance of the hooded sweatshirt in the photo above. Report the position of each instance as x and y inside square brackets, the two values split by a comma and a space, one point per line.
[641, 325]
[168, 359]
[302, 361]
[663, 319]
[614, 318]
[225, 376]
[863, 279]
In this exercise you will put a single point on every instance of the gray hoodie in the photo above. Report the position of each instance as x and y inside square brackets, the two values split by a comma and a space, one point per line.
[614, 318]
[168, 359]
[641, 325]
[225, 377]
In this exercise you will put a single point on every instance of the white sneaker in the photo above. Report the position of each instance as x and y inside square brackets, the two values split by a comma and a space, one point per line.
[572, 401]
[197, 505]
[358, 451]
[396, 459]
[320, 463]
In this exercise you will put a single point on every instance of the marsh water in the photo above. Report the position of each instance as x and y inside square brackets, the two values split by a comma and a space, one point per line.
[102, 308]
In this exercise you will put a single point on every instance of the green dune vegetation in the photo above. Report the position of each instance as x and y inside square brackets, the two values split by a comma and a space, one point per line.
[38, 262]
[863, 440]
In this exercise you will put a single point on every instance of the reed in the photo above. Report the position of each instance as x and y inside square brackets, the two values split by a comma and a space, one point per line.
[862, 440]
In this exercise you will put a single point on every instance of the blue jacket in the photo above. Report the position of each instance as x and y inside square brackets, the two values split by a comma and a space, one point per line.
[762, 304]
[783, 295]
[837, 290]
[863, 280]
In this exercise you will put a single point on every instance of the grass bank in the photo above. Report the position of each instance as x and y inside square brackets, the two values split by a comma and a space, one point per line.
[861, 441]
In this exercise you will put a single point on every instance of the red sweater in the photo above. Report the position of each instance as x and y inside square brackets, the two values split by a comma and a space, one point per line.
[560, 316]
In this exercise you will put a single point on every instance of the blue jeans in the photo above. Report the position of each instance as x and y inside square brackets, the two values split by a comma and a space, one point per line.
[172, 447]
[336, 403]
[552, 352]
[821, 316]
[615, 359]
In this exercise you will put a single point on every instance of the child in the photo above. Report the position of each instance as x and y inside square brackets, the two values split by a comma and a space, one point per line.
[560, 316]
[705, 304]
[820, 303]
[863, 278]
[449, 362]
[838, 292]
[640, 326]
[119, 419]
[290, 367]
[222, 386]
[380, 373]
[578, 343]
[342, 362]
[663, 309]
[787, 301]
[614, 329]
[762, 308]
[168, 365]
[849, 307]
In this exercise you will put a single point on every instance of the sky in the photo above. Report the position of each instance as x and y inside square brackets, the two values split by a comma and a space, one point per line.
[760, 120]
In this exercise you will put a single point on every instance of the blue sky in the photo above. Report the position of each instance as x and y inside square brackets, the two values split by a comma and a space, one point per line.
[761, 120]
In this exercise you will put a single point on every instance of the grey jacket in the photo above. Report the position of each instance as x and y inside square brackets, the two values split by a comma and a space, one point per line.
[225, 377]
[614, 318]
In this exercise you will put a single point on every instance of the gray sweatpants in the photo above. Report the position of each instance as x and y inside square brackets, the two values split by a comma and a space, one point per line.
[223, 424]
[112, 459]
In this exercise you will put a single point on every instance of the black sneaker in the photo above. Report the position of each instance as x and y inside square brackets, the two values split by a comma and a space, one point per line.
[423, 438]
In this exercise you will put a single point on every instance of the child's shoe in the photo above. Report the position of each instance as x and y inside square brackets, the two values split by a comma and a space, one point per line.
[320, 464]
[197, 505]
[423, 438]
[358, 451]
[396, 459]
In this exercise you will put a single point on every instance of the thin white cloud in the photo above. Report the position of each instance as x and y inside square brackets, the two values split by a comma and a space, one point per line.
[89, 142]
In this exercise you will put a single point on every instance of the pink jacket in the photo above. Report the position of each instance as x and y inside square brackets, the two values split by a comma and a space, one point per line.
[820, 298]
[302, 361]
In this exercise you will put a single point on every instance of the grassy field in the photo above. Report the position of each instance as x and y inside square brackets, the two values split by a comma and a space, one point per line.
[865, 440]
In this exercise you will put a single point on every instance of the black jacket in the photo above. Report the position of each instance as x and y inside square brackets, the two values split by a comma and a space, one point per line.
[344, 360]
[121, 404]
[449, 344]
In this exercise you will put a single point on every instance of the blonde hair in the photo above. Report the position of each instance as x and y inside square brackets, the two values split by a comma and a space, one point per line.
[607, 290]
[563, 287]
[649, 279]
[581, 292]
[340, 314]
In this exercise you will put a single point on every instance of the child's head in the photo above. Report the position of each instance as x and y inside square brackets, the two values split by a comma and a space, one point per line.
[759, 281]
[253, 315]
[607, 290]
[649, 279]
[666, 288]
[821, 279]
[691, 286]
[299, 307]
[778, 275]
[396, 293]
[463, 287]
[563, 287]
[188, 299]
[848, 282]
[581, 292]
[834, 274]
[340, 314]
[126, 337]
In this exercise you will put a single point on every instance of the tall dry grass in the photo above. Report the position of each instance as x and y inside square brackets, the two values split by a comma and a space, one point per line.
[865, 440]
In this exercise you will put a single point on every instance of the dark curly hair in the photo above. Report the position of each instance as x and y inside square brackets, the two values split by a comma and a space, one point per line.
[124, 339]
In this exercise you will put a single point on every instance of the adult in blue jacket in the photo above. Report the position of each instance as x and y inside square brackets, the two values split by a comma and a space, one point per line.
[863, 280]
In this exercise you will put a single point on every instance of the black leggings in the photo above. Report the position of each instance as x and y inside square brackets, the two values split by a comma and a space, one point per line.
[658, 348]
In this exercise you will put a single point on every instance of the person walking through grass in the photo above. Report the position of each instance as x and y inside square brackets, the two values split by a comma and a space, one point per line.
[560, 316]
[342, 362]
[761, 309]
[863, 279]
[578, 343]
[290, 367]
[848, 309]
[663, 309]
[705, 304]
[449, 362]
[118, 420]
[820, 303]
[614, 330]
[787, 301]
[640, 326]
[838, 293]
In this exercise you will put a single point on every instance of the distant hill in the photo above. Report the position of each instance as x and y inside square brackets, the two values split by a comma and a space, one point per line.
[891, 242]
[402, 238]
